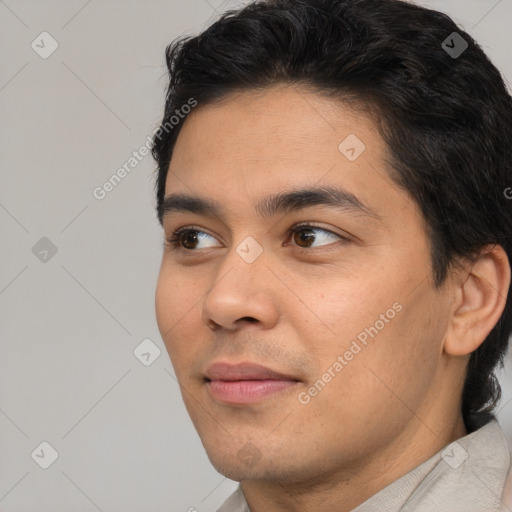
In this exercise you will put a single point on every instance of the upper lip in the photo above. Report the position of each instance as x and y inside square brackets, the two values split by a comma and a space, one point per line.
[243, 371]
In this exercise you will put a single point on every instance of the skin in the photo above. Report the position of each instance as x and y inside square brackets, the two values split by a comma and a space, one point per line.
[300, 305]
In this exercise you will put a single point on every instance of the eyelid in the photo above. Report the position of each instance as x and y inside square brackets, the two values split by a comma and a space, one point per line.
[314, 225]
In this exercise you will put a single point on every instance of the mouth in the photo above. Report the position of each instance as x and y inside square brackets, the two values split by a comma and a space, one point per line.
[245, 383]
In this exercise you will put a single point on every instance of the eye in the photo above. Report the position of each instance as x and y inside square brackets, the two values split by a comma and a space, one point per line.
[305, 235]
[190, 239]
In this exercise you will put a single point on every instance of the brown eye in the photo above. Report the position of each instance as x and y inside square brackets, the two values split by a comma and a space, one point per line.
[304, 237]
[189, 239]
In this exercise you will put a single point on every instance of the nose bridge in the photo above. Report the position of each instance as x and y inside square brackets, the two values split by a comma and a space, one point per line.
[241, 288]
[245, 263]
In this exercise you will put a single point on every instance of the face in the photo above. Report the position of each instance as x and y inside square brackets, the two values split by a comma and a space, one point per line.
[296, 303]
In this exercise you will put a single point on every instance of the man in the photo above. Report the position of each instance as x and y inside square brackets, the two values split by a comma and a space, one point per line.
[334, 288]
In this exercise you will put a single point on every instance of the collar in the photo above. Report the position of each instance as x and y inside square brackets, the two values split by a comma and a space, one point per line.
[468, 475]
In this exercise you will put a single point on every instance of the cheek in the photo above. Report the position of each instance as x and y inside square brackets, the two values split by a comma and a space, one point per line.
[177, 306]
[348, 307]
[166, 301]
[375, 383]
[385, 336]
[177, 292]
[394, 370]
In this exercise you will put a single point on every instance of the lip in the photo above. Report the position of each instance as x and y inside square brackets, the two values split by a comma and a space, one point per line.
[243, 371]
[245, 383]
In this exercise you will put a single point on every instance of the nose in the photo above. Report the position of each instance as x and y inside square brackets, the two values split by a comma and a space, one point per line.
[240, 293]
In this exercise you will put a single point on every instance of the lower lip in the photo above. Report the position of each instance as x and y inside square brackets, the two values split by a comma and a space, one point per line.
[246, 391]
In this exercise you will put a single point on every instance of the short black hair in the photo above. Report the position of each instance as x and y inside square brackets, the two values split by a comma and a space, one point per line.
[442, 108]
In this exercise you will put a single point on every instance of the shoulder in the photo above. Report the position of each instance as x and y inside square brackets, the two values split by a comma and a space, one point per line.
[507, 491]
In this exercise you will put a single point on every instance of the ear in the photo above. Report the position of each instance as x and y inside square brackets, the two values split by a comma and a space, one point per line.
[481, 295]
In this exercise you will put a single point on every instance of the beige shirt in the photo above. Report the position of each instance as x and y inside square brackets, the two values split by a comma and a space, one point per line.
[472, 474]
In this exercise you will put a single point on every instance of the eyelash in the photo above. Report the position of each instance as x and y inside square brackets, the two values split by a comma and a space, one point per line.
[175, 240]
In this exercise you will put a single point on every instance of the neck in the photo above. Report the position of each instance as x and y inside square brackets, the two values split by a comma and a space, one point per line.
[348, 487]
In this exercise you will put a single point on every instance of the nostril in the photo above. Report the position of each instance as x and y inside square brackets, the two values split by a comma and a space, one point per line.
[249, 319]
[214, 326]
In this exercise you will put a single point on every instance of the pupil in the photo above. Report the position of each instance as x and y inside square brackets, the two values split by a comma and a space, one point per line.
[306, 235]
[190, 240]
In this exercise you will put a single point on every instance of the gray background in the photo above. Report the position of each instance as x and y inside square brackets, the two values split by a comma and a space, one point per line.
[71, 321]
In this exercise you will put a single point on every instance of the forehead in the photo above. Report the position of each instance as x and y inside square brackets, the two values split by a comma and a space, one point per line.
[283, 123]
[253, 144]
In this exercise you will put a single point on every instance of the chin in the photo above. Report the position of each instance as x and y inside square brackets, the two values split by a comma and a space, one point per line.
[236, 470]
[240, 466]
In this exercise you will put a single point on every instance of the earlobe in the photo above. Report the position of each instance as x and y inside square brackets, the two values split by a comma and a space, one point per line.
[481, 300]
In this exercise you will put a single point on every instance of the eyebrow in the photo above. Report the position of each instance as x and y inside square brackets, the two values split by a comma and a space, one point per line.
[283, 202]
